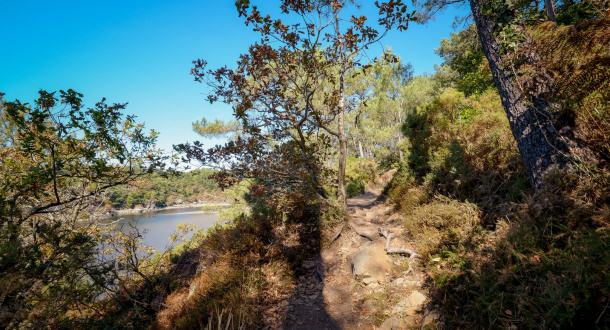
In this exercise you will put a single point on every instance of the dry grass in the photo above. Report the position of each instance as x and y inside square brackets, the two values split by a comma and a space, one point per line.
[443, 224]
[498, 254]
[545, 264]
[248, 269]
[576, 60]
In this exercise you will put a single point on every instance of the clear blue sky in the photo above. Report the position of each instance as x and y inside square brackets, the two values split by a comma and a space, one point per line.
[140, 52]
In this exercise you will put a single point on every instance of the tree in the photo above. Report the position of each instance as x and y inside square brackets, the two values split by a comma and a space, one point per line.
[58, 159]
[501, 31]
[463, 54]
[380, 108]
[540, 144]
[288, 94]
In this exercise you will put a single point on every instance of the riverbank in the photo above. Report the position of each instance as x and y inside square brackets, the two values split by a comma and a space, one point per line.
[212, 207]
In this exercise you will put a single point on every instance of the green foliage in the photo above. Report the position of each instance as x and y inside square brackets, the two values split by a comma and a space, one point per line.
[216, 128]
[577, 60]
[58, 158]
[360, 174]
[498, 255]
[162, 189]
[238, 197]
[463, 53]
[463, 147]
[373, 126]
[575, 11]
[355, 188]
[289, 98]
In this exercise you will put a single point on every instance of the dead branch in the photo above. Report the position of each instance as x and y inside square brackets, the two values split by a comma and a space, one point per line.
[402, 250]
[337, 234]
[412, 254]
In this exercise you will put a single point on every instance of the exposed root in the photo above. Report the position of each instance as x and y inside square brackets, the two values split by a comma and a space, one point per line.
[337, 234]
[412, 254]
[362, 233]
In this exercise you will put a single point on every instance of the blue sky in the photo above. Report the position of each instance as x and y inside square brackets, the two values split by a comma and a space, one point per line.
[140, 52]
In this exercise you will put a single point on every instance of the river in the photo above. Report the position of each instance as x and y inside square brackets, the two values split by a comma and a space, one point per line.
[158, 226]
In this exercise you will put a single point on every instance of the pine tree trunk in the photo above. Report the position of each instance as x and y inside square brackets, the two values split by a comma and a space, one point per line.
[360, 150]
[540, 145]
[550, 10]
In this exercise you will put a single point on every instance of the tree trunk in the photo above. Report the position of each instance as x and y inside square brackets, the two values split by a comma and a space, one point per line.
[550, 10]
[360, 150]
[341, 190]
[540, 145]
[341, 186]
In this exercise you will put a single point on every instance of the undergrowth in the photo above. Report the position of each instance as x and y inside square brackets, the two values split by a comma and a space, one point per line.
[247, 268]
[497, 253]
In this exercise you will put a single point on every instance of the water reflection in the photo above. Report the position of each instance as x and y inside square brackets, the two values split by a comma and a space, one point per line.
[157, 227]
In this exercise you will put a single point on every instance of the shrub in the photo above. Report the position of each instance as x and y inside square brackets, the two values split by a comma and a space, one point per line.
[355, 188]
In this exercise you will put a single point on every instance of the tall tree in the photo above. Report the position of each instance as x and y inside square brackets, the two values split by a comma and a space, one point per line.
[540, 144]
[463, 54]
[500, 28]
[378, 91]
[288, 92]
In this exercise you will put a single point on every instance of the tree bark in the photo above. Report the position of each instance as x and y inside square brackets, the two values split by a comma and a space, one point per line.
[550, 10]
[341, 186]
[360, 150]
[540, 145]
[342, 149]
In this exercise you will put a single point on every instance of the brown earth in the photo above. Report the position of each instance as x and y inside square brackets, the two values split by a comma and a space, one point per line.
[327, 296]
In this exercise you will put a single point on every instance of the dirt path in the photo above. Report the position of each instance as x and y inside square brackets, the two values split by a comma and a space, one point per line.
[328, 297]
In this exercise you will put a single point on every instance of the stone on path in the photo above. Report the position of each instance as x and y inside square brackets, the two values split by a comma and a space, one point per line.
[405, 283]
[430, 320]
[410, 305]
[371, 263]
[398, 323]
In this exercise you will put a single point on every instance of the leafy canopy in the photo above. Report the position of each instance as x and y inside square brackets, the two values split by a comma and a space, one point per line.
[287, 94]
[56, 157]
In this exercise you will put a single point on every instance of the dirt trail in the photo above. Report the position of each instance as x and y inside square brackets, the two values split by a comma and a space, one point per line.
[327, 296]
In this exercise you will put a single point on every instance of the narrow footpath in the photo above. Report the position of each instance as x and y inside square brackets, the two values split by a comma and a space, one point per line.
[359, 281]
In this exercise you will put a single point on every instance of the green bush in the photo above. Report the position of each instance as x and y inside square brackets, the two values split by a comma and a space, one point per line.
[355, 188]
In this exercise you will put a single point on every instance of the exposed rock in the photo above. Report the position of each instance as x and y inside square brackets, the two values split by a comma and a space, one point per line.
[430, 320]
[399, 323]
[364, 229]
[393, 323]
[371, 263]
[409, 305]
[404, 283]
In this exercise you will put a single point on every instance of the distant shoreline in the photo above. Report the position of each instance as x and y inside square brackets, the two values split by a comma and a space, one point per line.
[122, 212]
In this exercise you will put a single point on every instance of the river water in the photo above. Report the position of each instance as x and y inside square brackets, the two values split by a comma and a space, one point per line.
[157, 227]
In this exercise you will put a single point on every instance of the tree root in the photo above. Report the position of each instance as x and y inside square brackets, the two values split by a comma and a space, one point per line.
[361, 233]
[412, 254]
[336, 235]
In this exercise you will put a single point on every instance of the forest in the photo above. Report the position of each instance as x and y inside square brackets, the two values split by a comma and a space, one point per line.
[163, 189]
[491, 173]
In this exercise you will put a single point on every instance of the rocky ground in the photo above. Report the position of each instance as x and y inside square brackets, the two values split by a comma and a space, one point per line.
[359, 281]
